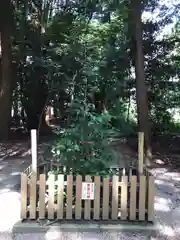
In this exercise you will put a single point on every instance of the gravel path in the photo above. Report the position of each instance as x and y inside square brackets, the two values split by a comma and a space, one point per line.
[167, 203]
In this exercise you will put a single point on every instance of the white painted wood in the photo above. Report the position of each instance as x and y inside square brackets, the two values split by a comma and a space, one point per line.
[52, 111]
[34, 150]
[140, 152]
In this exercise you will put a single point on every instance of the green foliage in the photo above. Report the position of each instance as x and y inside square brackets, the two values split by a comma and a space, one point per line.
[65, 52]
[84, 146]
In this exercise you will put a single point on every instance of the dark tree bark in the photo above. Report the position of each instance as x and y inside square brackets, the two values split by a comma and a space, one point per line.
[141, 91]
[6, 68]
[99, 102]
[35, 96]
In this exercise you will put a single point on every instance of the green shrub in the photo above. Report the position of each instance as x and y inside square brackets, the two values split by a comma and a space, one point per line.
[84, 146]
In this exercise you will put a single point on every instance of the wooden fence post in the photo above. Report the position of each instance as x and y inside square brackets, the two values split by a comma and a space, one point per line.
[140, 152]
[34, 150]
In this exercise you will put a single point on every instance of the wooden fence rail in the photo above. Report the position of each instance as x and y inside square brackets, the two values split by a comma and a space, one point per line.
[120, 197]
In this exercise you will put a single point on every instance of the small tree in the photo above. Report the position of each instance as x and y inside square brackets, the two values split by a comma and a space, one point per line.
[84, 146]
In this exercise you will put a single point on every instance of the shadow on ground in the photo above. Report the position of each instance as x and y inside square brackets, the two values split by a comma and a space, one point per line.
[167, 207]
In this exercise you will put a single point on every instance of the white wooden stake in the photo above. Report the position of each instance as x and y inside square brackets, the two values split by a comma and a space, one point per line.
[34, 150]
[140, 152]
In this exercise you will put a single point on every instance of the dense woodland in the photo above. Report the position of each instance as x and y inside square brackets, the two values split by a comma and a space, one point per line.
[105, 68]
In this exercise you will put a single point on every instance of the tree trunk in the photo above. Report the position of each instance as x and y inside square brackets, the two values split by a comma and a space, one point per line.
[36, 93]
[141, 91]
[99, 102]
[6, 66]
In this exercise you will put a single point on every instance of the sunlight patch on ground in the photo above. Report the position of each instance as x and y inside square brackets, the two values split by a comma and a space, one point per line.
[159, 181]
[165, 177]
[172, 174]
[53, 234]
[15, 173]
[9, 209]
[175, 176]
[167, 231]
[161, 204]
[4, 190]
[159, 161]
[26, 153]
[176, 179]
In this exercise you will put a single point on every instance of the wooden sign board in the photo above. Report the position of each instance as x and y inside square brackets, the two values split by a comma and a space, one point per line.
[87, 191]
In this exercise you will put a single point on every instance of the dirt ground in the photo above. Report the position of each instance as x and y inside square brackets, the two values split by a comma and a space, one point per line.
[166, 152]
[16, 156]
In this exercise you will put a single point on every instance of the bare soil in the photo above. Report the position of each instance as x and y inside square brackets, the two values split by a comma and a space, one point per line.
[166, 151]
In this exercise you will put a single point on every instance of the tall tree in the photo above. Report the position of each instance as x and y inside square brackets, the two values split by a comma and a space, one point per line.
[141, 91]
[6, 66]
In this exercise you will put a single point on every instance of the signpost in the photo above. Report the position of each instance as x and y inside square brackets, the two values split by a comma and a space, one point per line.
[34, 150]
[87, 191]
